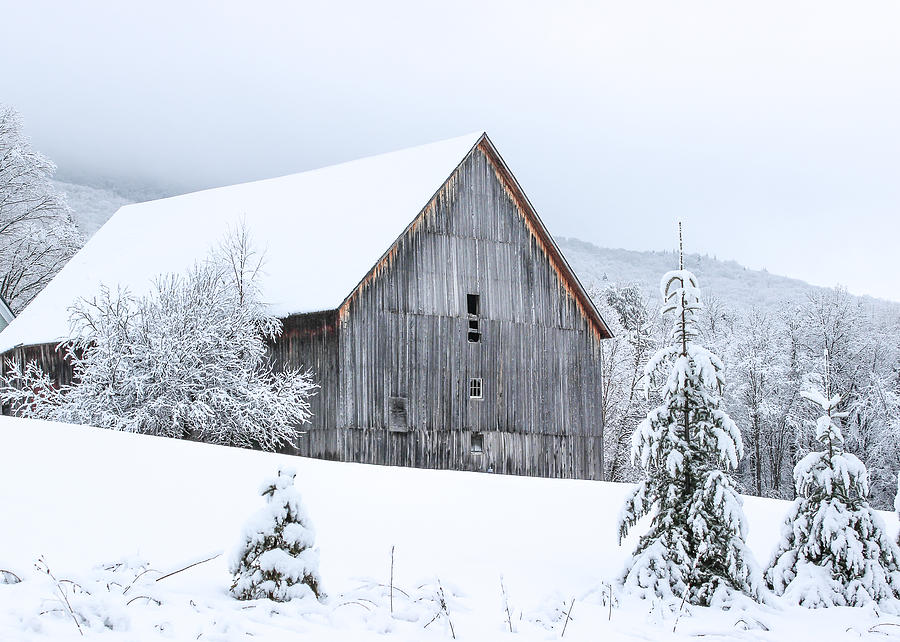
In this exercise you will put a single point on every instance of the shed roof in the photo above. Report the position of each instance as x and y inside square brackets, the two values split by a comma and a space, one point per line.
[321, 231]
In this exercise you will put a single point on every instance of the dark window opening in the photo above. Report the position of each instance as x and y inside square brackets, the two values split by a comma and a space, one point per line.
[473, 307]
[473, 304]
[477, 443]
[397, 418]
[474, 333]
[476, 389]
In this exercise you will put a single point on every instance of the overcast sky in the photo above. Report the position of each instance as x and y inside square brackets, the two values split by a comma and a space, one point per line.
[772, 129]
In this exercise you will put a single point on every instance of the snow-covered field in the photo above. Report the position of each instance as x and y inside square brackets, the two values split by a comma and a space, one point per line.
[99, 507]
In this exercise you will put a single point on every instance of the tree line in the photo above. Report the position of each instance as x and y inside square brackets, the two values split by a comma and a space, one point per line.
[766, 356]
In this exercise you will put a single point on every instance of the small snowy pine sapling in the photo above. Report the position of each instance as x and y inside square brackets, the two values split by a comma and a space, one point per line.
[695, 547]
[276, 559]
[833, 550]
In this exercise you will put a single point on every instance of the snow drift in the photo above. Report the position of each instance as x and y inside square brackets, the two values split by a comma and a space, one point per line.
[82, 497]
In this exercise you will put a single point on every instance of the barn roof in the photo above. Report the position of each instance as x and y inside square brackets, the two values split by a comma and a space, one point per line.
[321, 230]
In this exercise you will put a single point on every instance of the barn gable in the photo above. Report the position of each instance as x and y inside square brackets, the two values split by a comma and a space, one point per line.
[507, 182]
[469, 345]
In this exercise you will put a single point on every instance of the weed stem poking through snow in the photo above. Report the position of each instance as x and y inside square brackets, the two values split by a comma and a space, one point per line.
[568, 617]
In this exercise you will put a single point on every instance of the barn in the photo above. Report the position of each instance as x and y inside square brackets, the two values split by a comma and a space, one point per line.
[440, 319]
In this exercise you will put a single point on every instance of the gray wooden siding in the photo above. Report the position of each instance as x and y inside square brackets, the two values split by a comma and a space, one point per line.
[403, 334]
[48, 356]
[565, 456]
[309, 342]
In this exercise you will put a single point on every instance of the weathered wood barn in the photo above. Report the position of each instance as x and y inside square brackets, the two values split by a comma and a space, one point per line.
[466, 342]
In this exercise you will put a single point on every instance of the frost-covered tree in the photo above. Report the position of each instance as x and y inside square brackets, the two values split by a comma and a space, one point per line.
[763, 400]
[37, 233]
[188, 360]
[276, 559]
[694, 548]
[833, 550]
[862, 367]
[897, 502]
[628, 314]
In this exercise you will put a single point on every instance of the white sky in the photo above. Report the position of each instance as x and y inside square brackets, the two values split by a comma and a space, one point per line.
[771, 128]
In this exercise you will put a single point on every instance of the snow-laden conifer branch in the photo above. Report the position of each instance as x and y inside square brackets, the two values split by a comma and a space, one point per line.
[694, 548]
[833, 549]
[276, 558]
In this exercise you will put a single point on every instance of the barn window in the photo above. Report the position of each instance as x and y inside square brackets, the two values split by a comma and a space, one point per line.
[474, 334]
[476, 390]
[397, 418]
[477, 443]
[473, 308]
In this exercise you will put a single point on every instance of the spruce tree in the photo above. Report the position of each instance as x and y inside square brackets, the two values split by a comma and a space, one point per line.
[833, 550]
[695, 548]
[276, 559]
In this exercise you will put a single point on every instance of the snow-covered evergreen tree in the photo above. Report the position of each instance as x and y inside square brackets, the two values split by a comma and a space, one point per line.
[188, 360]
[695, 546]
[276, 559]
[833, 550]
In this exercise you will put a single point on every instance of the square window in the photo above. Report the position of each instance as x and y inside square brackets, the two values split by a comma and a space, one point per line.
[477, 443]
[397, 418]
[476, 389]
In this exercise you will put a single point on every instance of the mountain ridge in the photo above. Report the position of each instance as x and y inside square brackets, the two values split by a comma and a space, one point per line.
[740, 287]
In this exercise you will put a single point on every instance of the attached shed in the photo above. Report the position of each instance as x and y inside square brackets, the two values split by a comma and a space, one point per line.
[466, 342]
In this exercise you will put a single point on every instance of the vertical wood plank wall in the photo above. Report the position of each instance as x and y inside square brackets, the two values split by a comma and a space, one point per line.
[404, 334]
[50, 359]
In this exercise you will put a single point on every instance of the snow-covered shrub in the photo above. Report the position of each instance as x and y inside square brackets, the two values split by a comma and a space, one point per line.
[97, 599]
[276, 559]
[833, 549]
[695, 546]
[188, 360]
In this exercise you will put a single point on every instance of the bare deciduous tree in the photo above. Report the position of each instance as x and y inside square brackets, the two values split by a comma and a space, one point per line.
[37, 233]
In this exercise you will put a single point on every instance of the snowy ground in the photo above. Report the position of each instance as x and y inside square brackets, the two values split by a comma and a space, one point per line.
[100, 507]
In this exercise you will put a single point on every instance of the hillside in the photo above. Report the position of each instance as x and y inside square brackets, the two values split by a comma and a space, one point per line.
[738, 287]
[91, 206]
[100, 507]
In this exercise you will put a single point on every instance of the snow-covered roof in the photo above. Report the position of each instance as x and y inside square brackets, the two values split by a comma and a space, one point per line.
[321, 230]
